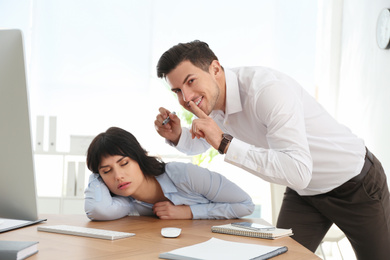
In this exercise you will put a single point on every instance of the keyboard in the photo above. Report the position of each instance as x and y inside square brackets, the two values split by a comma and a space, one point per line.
[85, 232]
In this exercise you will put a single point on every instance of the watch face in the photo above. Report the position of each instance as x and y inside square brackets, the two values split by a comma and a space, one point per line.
[383, 29]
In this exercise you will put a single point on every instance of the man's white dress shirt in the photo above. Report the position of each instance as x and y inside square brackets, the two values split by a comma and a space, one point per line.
[282, 134]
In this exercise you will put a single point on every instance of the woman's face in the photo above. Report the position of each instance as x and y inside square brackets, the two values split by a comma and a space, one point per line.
[122, 175]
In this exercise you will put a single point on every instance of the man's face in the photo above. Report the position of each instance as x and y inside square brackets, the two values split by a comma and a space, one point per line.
[191, 83]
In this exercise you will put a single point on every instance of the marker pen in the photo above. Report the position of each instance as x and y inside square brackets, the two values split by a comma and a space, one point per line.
[166, 121]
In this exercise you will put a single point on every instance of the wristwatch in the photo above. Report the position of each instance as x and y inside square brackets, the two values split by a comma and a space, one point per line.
[226, 139]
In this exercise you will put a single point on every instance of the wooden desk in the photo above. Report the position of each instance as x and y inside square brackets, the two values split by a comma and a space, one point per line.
[146, 244]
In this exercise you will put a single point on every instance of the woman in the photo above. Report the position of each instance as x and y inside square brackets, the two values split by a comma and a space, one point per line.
[126, 181]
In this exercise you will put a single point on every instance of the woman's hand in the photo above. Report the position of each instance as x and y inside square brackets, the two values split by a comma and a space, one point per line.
[166, 210]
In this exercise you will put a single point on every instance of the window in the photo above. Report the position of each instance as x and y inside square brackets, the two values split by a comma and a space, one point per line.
[92, 63]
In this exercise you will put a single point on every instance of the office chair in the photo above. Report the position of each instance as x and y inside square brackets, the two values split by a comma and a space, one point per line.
[334, 235]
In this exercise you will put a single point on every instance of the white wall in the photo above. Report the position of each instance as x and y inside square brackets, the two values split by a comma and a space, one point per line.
[356, 75]
[92, 63]
[82, 73]
[365, 77]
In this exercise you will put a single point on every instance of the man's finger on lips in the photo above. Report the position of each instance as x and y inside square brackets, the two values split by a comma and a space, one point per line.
[197, 111]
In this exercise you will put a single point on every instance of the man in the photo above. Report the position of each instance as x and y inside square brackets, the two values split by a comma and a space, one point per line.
[266, 123]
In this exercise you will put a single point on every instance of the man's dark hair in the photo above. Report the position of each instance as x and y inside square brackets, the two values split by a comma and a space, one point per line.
[197, 52]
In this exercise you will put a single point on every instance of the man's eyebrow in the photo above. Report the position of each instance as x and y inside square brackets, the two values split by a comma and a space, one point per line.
[185, 79]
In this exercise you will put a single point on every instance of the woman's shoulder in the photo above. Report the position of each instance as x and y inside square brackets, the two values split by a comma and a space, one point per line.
[173, 168]
[175, 164]
[182, 166]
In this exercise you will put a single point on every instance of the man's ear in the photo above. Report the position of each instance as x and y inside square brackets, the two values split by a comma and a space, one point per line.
[215, 68]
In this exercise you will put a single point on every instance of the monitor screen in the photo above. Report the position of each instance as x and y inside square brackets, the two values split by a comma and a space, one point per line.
[17, 180]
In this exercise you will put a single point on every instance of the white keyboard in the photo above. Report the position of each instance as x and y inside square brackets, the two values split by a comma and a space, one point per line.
[85, 232]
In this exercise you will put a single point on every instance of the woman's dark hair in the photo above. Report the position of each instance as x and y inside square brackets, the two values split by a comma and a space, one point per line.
[116, 141]
[197, 52]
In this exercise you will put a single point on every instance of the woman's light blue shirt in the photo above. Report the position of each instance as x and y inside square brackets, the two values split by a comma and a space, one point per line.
[209, 194]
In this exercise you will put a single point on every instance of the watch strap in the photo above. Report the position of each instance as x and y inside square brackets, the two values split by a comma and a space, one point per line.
[226, 139]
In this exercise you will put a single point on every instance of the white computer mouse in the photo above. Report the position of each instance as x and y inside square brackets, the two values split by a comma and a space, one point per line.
[170, 232]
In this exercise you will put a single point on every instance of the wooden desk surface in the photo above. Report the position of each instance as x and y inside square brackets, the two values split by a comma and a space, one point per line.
[146, 244]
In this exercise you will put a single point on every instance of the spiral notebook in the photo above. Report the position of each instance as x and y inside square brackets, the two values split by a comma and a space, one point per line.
[269, 234]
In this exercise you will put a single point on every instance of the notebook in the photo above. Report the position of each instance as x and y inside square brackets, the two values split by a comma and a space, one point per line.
[268, 234]
[16, 250]
[215, 249]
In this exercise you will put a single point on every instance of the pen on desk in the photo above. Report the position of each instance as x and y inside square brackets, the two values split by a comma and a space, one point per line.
[166, 121]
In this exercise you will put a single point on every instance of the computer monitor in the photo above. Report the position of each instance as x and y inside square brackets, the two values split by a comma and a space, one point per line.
[18, 200]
